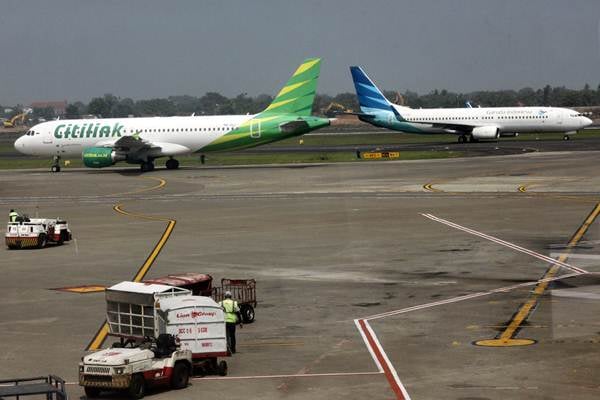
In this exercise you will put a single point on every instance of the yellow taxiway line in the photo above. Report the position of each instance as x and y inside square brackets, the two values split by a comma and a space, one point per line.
[429, 187]
[100, 336]
[507, 337]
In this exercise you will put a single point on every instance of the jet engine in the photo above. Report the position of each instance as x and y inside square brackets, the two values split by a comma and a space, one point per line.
[99, 157]
[485, 132]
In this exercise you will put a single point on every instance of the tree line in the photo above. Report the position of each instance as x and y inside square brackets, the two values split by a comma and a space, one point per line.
[212, 103]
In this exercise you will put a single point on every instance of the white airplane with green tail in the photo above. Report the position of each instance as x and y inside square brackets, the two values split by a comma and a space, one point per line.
[103, 142]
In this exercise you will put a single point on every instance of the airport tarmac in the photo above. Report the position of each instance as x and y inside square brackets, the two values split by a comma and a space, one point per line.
[375, 279]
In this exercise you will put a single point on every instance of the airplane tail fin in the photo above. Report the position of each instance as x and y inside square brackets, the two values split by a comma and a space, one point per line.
[369, 96]
[298, 94]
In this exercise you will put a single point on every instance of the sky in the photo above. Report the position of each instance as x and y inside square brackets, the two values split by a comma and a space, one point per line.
[79, 49]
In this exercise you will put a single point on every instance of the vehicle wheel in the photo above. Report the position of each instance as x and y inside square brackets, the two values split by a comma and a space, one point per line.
[91, 392]
[137, 387]
[181, 376]
[566, 137]
[247, 312]
[462, 139]
[222, 368]
[472, 139]
[147, 166]
[42, 240]
[172, 163]
[55, 168]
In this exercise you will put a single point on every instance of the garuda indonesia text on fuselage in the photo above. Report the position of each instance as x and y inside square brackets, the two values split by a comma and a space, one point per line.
[103, 142]
[467, 123]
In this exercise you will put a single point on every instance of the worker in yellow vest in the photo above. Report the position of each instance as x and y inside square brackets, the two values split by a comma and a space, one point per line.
[232, 318]
[12, 216]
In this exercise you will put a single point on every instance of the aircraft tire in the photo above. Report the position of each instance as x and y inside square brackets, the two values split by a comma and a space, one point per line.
[172, 163]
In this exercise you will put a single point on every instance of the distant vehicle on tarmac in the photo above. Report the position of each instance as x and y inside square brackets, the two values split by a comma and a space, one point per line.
[36, 232]
[468, 123]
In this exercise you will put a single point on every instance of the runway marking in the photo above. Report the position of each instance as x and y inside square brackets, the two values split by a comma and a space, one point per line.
[102, 333]
[323, 375]
[381, 359]
[507, 337]
[429, 187]
[161, 183]
[505, 243]
[82, 289]
[452, 300]
[259, 344]
[245, 377]
[522, 188]
[376, 350]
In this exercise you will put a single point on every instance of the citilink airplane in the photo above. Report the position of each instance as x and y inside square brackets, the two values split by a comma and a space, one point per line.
[468, 123]
[103, 142]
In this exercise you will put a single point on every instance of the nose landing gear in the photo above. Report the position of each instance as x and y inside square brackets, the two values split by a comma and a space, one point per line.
[147, 166]
[55, 164]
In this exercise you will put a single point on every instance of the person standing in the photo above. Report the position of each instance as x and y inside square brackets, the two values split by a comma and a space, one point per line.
[232, 317]
[12, 216]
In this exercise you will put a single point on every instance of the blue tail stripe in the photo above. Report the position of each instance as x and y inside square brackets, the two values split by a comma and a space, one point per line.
[368, 94]
[371, 91]
[366, 101]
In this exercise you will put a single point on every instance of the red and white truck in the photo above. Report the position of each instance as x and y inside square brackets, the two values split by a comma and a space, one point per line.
[165, 333]
[36, 232]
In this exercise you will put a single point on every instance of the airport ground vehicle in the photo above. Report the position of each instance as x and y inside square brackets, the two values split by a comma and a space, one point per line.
[51, 386]
[165, 334]
[36, 232]
[242, 290]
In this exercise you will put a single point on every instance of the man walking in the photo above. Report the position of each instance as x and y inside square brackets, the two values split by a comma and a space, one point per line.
[232, 316]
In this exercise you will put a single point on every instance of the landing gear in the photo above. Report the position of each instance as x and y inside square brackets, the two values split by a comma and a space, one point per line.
[566, 137]
[172, 163]
[55, 164]
[147, 166]
[472, 139]
[462, 139]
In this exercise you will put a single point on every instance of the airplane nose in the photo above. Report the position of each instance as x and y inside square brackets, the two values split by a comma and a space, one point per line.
[586, 121]
[20, 145]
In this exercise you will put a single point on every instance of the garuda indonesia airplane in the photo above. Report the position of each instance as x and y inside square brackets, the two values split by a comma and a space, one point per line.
[103, 142]
[468, 123]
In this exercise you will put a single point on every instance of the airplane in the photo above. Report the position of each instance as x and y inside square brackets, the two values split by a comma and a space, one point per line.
[103, 142]
[469, 123]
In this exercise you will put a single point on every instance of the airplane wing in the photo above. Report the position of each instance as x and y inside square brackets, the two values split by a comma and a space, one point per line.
[136, 147]
[127, 143]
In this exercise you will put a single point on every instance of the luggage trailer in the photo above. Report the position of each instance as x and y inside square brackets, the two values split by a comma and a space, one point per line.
[165, 334]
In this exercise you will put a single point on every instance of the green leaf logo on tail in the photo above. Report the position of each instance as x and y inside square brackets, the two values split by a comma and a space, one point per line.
[298, 94]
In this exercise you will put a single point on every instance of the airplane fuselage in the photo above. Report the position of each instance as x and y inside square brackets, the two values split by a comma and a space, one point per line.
[505, 119]
[71, 137]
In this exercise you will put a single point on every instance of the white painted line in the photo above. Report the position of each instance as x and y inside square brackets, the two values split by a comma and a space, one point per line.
[467, 297]
[389, 364]
[331, 374]
[505, 243]
[364, 338]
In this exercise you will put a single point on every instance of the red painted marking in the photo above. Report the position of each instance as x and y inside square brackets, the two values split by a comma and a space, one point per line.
[386, 368]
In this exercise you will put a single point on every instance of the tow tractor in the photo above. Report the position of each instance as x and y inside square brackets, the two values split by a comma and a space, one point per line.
[36, 232]
[165, 334]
